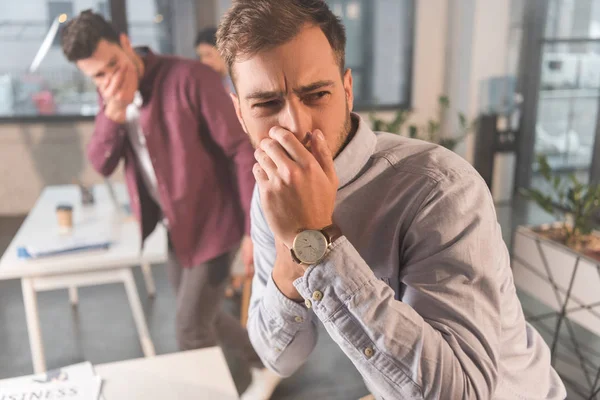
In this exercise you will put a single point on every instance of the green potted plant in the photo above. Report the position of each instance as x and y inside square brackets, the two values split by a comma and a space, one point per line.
[574, 204]
[559, 263]
[432, 131]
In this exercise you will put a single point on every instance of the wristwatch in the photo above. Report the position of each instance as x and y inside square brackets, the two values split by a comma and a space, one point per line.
[311, 245]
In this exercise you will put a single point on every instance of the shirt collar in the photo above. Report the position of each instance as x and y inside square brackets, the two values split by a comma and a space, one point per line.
[356, 154]
[151, 63]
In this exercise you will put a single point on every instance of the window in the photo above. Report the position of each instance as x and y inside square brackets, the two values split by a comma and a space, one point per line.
[561, 82]
[149, 24]
[50, 85]
[378, 50]
[573, 19]
[55, 87]
[103, 8]
[58, 11]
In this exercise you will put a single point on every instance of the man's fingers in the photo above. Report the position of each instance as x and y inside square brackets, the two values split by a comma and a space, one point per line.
[321, 151]
[291, 144]
[265, 162]
[275, 151]
[115, 83]
[259, 174]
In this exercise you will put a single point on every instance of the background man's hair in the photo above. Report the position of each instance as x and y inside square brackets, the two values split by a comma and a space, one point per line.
[80, 36]
[251, 26]
[207, 36]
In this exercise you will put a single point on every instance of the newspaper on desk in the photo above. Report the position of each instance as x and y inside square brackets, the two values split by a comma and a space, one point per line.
[75, 382]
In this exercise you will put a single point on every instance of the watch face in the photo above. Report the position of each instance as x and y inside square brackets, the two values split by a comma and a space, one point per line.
[310, 246]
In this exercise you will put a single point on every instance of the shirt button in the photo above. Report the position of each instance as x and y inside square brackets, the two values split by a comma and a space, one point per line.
[317, 295]
[307, 303]
[107, 154]
[299, 319]
[277, 350]
[369, 352]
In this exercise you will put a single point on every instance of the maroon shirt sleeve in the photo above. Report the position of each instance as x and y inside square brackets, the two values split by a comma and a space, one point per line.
[218, 112]
[107, 144]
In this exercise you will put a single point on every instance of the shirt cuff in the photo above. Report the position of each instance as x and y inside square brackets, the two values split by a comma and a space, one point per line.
[328, 285]
[106, 123]
[287, 313]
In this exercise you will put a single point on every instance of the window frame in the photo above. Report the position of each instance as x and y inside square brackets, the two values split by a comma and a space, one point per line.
[118, 15]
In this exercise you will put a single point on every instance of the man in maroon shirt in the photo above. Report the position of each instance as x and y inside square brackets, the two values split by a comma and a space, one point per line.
[173, 124]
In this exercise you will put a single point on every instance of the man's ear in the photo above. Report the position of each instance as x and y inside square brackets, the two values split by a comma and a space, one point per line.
[347, 80]
[238, 110]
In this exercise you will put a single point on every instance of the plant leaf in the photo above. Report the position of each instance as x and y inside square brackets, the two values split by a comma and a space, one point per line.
[545, 169]
[448, 143]
[413, 131]
[541, 199]
[462, 120]
[556, 182]
[444, 102]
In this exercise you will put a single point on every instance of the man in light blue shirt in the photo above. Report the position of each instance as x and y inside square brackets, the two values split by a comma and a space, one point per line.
[392, 243]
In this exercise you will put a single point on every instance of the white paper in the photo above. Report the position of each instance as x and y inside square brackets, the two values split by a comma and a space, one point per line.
[81, 236]
[84, 389]
[75, 382]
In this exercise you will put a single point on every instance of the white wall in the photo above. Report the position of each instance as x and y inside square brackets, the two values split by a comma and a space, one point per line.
[429, 57]
[490, 50]
[458, 45]
[36, 155]
[491, 57]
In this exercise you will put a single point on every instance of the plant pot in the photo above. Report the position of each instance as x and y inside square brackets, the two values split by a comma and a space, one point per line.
[557, 276]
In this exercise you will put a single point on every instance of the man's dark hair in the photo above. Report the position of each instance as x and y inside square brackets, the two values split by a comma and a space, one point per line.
[207, 36]
[80, 36]
[251, 26]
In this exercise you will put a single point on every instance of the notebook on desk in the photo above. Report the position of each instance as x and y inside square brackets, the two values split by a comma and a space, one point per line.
[47, 244]
[28, 252]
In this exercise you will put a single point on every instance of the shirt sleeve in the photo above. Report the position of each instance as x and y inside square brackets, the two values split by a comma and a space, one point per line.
[282, 331]
[441, 340]
[107, 145]
[219, 114]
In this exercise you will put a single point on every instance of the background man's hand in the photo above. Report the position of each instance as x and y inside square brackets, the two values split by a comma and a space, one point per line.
[247, 250]
[118, 93]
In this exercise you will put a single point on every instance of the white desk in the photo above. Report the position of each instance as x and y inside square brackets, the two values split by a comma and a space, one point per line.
[84, 268]
[193, 375]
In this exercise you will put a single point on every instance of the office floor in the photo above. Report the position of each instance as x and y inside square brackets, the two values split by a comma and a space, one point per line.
[102, 330]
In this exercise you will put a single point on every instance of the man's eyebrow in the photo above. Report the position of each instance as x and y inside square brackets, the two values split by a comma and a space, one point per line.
[268, 95]
[263, 95]
[312, 87]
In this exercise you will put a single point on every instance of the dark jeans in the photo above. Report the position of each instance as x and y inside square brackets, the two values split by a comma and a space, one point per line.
[201, 321]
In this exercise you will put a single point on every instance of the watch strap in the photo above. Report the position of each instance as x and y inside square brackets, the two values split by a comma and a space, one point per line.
[332, 233]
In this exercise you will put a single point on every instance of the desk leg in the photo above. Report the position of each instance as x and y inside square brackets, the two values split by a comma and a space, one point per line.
[73, 297]
[149, 279]
[33, 326]
[138, 313]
